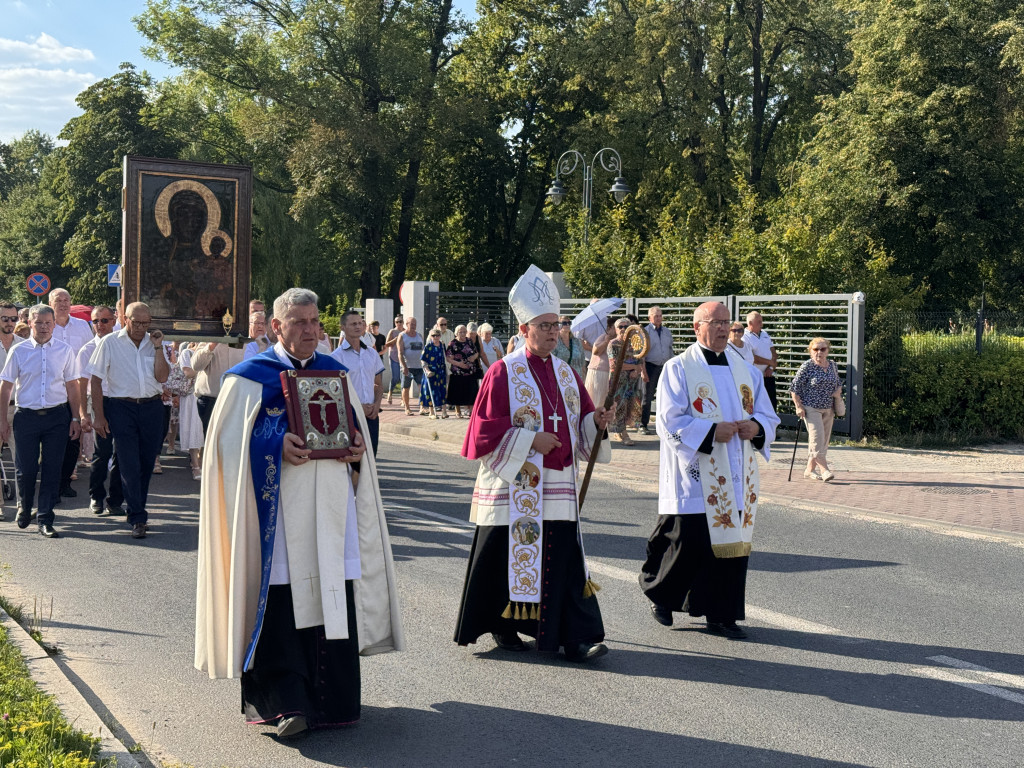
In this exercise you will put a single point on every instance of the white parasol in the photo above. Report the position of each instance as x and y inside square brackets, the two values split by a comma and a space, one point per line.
[590, 323]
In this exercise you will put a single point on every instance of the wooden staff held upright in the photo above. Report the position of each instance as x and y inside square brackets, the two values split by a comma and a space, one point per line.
[638, 343]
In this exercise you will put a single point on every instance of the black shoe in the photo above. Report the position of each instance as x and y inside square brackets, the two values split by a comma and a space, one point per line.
[139, 531]
[732, 630]
[585, 651]
[661, 614]
[48, 532]
[117, 510]
[68, 491]
[289, 727]
[509, 641]
[96, 507]
[24, 518]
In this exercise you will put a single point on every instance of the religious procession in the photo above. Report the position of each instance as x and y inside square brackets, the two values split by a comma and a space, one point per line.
[330, 436]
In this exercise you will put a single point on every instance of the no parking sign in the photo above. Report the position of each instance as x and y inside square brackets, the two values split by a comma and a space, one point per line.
[37, 284]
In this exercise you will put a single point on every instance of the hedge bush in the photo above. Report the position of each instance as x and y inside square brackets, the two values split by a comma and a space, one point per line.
[948, 392]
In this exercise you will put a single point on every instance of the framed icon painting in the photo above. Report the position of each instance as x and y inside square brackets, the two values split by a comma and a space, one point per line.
[186, 244]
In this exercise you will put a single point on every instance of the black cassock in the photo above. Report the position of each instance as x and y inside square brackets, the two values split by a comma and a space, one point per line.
[566, 616]
[300, 671]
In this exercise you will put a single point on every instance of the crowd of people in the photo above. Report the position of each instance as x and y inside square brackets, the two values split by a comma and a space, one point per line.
[291, 613]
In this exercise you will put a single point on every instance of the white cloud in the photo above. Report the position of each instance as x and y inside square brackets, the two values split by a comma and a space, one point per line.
[44, 50]
[44, 99]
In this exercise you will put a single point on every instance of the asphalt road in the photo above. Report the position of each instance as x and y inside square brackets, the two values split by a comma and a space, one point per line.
[871, 644]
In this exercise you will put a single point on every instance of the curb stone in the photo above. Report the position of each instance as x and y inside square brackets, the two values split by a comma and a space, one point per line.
[51, 679]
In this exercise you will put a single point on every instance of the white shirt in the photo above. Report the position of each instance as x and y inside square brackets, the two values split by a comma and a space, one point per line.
[84, 358]
[494, 349]
[761, 345]
[126, 369]
[746, 351]
[253, 347]
[363, 365]
[75, 334]
[279, 573]
[5, 352]
[39, 373]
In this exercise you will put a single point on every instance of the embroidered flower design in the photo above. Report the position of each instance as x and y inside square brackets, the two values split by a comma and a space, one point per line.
[721, 480]
[748, 520]
[751, 498]
[723, 519]
[713, 500]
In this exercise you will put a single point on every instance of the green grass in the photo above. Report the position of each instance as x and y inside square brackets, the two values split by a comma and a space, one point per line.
[33, 732]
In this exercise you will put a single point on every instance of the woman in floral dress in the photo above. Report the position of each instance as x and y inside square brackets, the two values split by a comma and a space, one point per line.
[434, 390]
[462, 387]
[629, 394]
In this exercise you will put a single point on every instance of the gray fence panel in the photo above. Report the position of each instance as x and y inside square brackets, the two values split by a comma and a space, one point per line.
[478, 305]
[792, 321]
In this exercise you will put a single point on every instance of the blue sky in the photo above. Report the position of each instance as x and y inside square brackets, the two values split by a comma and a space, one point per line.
[51, 50]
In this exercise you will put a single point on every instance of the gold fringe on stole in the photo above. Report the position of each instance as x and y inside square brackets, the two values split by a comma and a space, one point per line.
[732, 549]
[507, 613]
[534, 612]
[591, 588]
[522, 611]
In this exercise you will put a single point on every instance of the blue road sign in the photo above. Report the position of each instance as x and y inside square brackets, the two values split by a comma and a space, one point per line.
[37, 284]
[114, 275]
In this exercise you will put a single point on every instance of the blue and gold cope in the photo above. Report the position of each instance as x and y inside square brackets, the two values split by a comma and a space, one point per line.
[265, 447]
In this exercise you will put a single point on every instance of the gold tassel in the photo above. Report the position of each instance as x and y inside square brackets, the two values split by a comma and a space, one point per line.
[507, 613]
[517, 614]
[591, 588]
[535, 614]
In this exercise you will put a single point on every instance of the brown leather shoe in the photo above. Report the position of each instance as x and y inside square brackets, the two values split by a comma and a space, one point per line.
[139, 531]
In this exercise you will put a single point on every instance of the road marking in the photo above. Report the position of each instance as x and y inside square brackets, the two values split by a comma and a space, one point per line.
[763, 615]
[949, 677]
[772, 618]
[1003, 678]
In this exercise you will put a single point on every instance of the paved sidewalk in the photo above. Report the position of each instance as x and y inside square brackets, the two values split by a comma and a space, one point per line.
[975, 489]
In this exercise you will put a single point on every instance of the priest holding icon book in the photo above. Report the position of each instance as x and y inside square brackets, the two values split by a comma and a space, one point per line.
[294, 553]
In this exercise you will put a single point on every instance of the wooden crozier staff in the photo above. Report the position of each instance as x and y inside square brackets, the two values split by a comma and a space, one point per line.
[638, 344]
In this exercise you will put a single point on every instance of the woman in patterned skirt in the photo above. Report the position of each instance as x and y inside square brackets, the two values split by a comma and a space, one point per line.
[462, 387]
[629, 394]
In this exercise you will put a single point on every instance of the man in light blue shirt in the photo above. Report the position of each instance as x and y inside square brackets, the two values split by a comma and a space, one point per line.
[365, 369]
[660, 353]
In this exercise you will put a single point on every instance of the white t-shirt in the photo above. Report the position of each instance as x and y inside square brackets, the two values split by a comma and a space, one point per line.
[761, 345]
[494, 349]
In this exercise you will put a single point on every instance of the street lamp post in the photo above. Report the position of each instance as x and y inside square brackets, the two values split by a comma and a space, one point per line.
[570, 161]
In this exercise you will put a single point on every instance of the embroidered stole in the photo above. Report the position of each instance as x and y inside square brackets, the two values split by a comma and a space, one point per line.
[731, 529]
[526, 492]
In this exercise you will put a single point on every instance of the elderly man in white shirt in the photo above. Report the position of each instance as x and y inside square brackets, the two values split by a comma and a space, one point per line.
[134, 374]
[766, 359]
[104, 456]
[41, 373]
[258, 333]
[660, 353]
[74, 332]
[365, 369]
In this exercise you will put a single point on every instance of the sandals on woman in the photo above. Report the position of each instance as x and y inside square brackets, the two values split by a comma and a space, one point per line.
[625, 439]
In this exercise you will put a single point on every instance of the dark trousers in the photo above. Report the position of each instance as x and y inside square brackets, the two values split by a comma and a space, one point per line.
[653, 373]
[40, 434]
[769, 387]
[373, 425]
[137, 431]
[71, 452]
[101, 457]
[205, 405]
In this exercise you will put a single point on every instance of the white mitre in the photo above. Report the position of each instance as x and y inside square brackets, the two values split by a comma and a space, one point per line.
[534, 294]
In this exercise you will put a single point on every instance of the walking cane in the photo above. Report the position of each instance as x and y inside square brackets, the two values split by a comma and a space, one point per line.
[796, 440]
[638, 343]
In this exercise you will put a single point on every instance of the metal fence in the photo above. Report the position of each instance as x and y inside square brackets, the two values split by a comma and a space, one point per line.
[939, 333]
[792, 321]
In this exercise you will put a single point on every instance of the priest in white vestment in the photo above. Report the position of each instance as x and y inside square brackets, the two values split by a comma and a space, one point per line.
[532, 423]
[296, 578]
[714, 415]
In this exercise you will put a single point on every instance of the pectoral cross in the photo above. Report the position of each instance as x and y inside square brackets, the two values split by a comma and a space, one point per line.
[334, 594]
[310, 579]
[554, 418]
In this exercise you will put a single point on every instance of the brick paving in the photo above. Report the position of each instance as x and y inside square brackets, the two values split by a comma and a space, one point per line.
[981, 489]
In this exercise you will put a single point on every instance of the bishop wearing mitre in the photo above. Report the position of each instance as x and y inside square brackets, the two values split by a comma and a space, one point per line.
[532, 424]
[296, 578]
